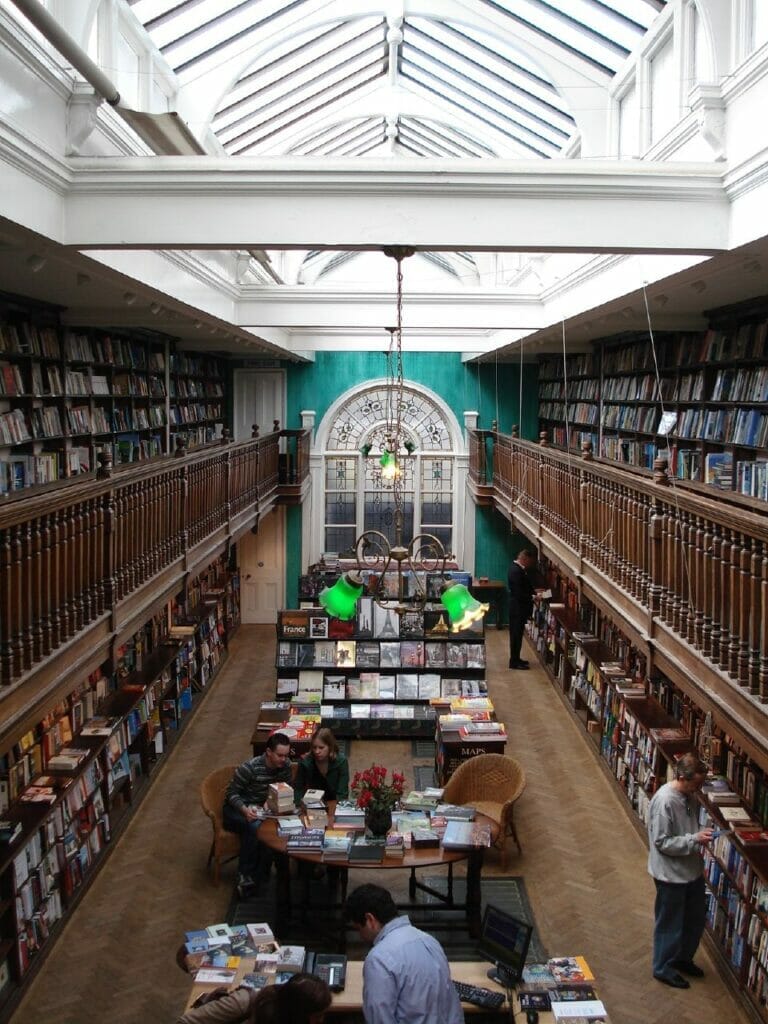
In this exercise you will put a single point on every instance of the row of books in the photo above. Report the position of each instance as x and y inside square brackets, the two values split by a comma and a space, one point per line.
[363, 654]
[576, 412]
[192, 413]
[310, 685]
[30, 339]
[732, 384]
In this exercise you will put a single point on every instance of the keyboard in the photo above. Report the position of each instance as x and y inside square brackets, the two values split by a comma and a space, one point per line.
[477, 996]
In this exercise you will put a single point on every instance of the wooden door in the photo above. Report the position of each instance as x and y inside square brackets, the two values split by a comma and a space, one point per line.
[262, 569]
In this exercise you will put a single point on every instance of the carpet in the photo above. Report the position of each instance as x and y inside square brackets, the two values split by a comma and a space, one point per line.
[508, 893]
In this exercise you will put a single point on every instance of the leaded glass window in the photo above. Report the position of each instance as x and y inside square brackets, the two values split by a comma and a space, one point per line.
[356, 439]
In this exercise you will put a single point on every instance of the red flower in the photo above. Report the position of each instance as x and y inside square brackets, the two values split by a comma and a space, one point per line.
[371, 788]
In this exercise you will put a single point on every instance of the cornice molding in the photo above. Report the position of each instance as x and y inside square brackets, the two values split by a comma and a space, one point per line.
[308, 295]
[33, 159]
[192, 265]
[751, 71]
[749, 175]
[212, 177]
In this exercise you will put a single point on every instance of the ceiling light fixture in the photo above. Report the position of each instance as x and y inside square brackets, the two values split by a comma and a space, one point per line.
[373, 550]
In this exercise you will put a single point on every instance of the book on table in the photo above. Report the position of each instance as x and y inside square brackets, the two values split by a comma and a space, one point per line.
[336, 844]
[466, 835]
[569, 969]
[215, 976]
[425, 839]
[455, 812]
[367, 849]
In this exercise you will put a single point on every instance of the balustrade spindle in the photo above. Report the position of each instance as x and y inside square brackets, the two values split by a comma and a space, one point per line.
[732, 664]
[725, 599]
[46, 575]
[7, 664]
[78, 568]
[763, 680]
[36, 588]
[745, 590]
[25, 596]
[17, 622]
[755, 616]
[717, 593]
[698, 584]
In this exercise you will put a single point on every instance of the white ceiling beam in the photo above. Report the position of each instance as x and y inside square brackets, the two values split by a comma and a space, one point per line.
[557, 205]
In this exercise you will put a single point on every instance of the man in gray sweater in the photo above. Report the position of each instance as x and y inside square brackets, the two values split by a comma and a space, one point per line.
[676, 865]
[243, 800]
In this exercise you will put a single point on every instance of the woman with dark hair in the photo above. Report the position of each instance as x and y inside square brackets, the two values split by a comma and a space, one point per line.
[324, 767]
[303, 999]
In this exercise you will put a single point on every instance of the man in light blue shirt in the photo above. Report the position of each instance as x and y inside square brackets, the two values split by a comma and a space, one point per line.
[406, 978]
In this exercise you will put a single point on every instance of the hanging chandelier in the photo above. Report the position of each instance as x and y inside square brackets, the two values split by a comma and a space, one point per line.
[374, 553]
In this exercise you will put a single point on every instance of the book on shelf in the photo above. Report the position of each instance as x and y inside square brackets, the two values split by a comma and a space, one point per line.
[367, 654]
[673, 734]
[334, 687]
[325, 653]
[346, 653]
[736, 815]
[387, 684]
[751, 837]
[293, 623]
[428, 685]
[407, 686]
[360, 711]
[389, 654]
[569, 969]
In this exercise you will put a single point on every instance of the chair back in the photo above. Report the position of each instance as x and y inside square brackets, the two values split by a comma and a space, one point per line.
[212, 790]
[486, 777]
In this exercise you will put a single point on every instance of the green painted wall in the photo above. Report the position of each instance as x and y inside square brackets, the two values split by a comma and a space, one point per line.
[491, 389]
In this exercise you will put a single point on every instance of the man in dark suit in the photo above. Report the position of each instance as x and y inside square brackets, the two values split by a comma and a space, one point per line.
[521, 591]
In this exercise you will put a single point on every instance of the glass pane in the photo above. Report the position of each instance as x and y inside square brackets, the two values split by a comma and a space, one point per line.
[664, 104]
[379, 514]
[444, 534]
[340, 539]
[340, 508]
[437, 474]
[436, 507]
[341, 474]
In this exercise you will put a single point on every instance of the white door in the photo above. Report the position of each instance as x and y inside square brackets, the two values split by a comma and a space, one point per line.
[262, 569]
[260, 399]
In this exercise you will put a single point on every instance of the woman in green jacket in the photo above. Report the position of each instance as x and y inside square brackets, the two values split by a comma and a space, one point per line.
[324, 767]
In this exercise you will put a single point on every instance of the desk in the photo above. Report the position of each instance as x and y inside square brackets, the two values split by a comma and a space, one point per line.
[492, 592]
[351, 999]
[411, 860]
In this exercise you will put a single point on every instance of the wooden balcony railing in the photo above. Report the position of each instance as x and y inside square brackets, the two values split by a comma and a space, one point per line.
[100, 548]
[687, 573]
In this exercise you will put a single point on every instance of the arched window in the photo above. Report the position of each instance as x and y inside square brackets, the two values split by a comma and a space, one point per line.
[356, 496]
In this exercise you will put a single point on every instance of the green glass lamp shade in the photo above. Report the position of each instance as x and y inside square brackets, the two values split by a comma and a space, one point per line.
[388, 463]
[340, 600]
[462, 608]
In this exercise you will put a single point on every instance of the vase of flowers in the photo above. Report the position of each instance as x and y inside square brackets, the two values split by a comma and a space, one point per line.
[377, 797]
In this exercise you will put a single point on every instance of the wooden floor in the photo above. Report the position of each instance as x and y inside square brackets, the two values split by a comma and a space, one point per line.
[583, 862]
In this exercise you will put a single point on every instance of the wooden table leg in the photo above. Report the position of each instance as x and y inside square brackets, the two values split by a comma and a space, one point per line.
[474, 891]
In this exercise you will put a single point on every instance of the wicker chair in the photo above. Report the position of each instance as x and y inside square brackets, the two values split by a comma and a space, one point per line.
[224, 845]
[491, 783]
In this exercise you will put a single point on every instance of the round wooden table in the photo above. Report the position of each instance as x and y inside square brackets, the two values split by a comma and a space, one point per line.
[412, 860]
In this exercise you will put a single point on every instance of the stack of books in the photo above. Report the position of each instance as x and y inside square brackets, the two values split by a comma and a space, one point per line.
[367, 849]
[280, 798]
[466, 835]
[289, 825]
[336, 844]
[349, 814]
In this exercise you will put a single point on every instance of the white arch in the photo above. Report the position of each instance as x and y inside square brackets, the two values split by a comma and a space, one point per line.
[463, 509]
[458, 443]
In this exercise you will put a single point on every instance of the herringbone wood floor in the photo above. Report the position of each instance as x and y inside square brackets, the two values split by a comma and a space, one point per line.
[583, 862]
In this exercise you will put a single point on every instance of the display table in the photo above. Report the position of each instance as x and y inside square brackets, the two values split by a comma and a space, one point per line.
[351, 999]
[411, 860]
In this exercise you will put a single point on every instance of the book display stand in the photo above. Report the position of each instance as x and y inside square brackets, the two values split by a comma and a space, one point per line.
[70, 784]
[710, 421]
[638, 728]
[68, 394]
[379, 674]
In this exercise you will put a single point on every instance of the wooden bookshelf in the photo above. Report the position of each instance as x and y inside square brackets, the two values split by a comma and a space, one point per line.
[134, 709]
[714, 384]
[637, 740]
[67, 394]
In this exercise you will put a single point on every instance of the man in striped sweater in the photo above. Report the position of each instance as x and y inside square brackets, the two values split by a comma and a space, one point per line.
[244, 798]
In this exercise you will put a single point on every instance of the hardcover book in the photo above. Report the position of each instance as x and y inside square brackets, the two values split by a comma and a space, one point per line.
[569, 969]
[367, 654]
[411, 625]
[389, 654]
[345, 653]
[429, 685]
[386, 623]
[369, 685]
[325, 653]
[412, 654]
[318, 626]
[293, 623]
[305, 655]
[434, 654]
[407, 686]
[334, 688]
[364, 624]
[387, 685]
[286, 654]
